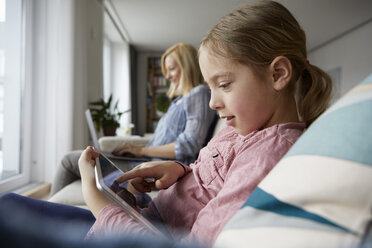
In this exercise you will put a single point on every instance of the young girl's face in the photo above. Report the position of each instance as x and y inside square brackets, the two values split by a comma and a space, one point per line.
[246, 100]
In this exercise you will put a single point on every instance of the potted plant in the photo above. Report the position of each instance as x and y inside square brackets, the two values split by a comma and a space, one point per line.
[162, 103]
[106, 117]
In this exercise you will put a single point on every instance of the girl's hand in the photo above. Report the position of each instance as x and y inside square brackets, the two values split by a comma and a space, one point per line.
[128, 148]
[140, 185]
[87, 162]
[165, 173]
[95, 200]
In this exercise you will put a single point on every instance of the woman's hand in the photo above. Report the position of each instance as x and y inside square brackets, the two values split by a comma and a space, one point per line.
[165, 174]
[128, 148]
[87, 162]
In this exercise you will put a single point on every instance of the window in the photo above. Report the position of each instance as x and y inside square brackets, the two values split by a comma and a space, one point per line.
[11, 85]
[116, 68]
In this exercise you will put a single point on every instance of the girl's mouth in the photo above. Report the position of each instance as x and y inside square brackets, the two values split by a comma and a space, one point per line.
[229, 120]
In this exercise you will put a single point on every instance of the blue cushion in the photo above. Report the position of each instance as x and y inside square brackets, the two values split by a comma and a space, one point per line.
[319, 194]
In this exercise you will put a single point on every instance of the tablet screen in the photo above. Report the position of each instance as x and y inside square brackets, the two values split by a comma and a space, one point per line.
[109, 174]
[106, 175]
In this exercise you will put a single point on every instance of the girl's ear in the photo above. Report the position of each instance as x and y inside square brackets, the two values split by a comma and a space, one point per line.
[281, 70]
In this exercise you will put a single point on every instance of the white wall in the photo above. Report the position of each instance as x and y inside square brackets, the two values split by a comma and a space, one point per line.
[351, 53]
[88, 64]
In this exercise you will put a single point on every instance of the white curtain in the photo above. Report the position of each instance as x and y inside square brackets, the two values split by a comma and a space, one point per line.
[67, 74]
[120, 80]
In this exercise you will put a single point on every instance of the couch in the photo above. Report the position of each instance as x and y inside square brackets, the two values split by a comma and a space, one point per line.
[319, 194]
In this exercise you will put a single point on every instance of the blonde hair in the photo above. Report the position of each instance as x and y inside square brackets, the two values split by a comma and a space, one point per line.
[256, 34]
[187, 59]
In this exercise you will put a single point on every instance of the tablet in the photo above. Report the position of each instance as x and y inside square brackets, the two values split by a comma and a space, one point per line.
[106, 174]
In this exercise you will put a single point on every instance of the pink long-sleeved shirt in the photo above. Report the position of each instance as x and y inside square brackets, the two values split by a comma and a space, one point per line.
[226, 172]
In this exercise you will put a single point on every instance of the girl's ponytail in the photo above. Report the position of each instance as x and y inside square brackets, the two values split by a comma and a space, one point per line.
[313, 93]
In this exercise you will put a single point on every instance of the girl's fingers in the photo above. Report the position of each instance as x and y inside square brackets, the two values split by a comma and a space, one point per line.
[89, 153]
[164, 182]
[144, 172]
[142, 188]
[141, 185]
[164, 175]
[94, 154]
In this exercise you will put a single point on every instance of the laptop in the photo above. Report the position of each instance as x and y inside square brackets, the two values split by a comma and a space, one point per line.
[93, 135]
[106, 173]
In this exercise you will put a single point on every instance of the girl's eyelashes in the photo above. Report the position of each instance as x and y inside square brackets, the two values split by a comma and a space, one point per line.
[223, 85]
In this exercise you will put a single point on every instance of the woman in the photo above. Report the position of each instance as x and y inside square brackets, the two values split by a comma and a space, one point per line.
[180, 133]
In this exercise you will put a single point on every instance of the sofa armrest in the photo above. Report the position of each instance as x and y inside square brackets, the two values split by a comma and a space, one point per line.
[109, 143]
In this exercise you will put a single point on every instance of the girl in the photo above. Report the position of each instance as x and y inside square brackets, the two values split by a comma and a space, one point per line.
[255, 63]
[180, 133]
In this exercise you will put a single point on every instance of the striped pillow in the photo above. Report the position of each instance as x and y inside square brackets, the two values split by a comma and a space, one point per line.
[320, 193]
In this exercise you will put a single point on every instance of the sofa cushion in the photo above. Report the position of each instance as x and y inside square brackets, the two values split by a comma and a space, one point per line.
[319, 194]
[109, 143]
[70, 195]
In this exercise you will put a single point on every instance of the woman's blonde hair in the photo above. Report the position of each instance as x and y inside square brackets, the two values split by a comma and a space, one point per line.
[187, 59]
[256, 34]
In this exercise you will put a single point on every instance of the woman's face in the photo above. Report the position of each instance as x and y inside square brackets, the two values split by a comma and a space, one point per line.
[173, 69]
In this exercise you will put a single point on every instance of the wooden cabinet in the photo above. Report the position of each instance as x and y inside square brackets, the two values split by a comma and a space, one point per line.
[157, 86]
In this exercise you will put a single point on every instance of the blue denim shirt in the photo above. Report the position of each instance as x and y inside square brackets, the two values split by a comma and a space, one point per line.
[186, 123]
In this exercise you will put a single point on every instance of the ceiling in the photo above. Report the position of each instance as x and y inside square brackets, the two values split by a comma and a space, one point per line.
[155, 25]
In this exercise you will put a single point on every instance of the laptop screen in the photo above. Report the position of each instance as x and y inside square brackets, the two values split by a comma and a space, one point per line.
[92, 130]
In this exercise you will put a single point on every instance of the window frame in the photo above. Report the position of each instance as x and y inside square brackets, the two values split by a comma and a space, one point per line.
[24, 177]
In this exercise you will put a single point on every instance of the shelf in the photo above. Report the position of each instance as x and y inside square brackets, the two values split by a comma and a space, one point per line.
[162, 90]
[157, 85]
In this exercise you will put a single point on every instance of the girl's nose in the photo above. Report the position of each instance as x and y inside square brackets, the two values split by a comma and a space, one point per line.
[215, 103]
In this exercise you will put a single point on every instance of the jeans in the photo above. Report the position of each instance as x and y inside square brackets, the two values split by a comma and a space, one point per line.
[27, 222]
[46, 211]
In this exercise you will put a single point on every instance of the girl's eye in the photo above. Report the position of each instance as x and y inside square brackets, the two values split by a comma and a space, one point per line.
[224, 85]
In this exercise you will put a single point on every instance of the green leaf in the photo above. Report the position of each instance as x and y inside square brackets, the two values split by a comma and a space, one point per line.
[103, 114]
